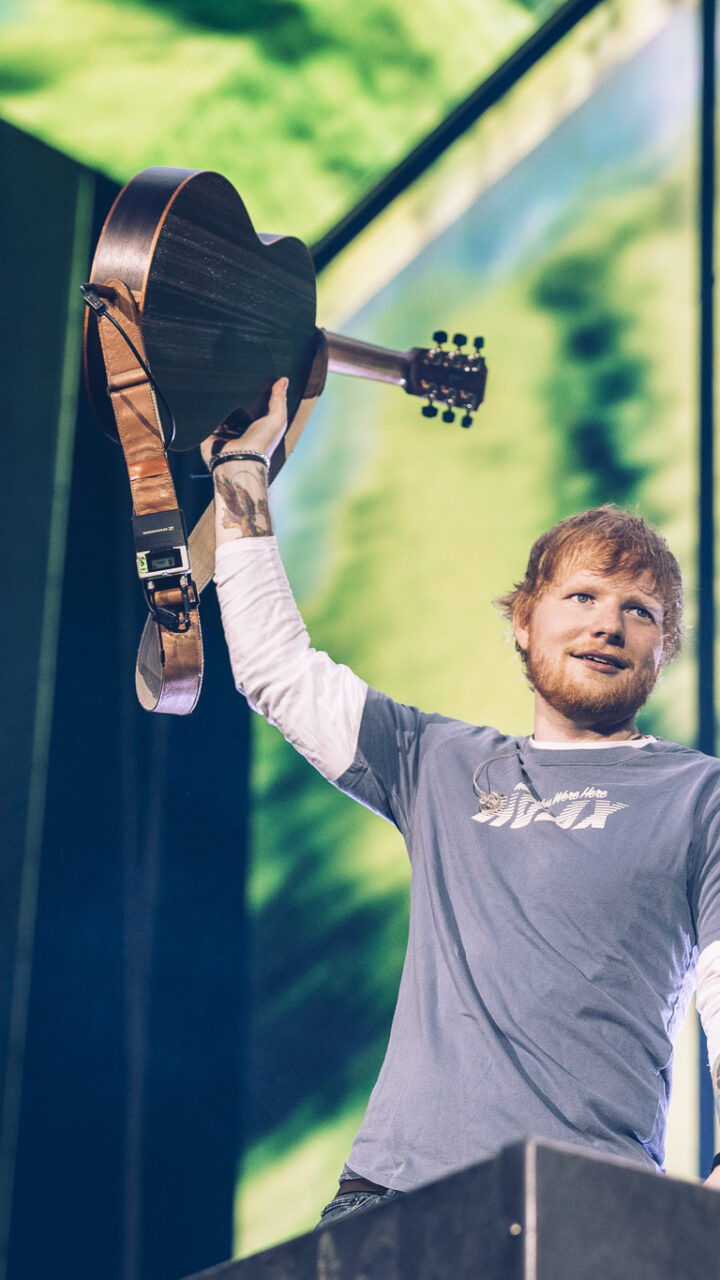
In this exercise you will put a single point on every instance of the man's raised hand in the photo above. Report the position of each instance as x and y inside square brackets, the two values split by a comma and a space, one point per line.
[262, 436]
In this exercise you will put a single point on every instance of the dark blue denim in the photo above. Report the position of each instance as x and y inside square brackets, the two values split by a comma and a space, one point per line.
[346, 1202]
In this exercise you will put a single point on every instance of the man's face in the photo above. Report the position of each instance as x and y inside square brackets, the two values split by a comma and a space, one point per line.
[594, 643]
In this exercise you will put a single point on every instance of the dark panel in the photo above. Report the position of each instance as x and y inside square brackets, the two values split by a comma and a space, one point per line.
[37, 218]
[449, 1229]
[537, 1210]
[128, 1134]
[597, 1219]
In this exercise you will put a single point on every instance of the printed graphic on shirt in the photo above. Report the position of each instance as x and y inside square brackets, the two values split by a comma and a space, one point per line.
[574, 809]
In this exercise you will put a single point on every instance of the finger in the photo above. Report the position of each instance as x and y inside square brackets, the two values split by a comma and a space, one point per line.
[278, 397]
[275, 419]
[276, 405]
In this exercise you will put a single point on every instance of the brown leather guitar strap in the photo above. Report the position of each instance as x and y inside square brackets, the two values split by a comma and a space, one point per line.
[202, 539]
[173, 629]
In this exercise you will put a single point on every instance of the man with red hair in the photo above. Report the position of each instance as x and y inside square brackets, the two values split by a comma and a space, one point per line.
[565, 890]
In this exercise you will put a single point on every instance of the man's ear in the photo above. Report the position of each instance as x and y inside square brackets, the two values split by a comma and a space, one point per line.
[521, 632]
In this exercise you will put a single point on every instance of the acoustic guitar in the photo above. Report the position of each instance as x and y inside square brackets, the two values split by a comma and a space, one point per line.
[221, 313]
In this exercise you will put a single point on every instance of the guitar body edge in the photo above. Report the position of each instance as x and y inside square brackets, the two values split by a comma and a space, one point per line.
[224, 310]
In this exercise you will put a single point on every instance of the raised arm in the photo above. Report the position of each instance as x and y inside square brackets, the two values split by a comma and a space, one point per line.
[316, 703]
[708, 1003]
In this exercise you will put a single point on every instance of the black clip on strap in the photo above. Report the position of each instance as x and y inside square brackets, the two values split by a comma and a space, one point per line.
[171, 619]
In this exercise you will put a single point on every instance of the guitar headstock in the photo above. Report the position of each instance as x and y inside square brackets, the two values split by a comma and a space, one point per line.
[455, 378]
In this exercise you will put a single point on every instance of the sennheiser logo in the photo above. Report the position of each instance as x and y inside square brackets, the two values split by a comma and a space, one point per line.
[165, 528]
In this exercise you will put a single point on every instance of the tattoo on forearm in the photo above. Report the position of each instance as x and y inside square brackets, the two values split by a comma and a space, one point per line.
[241, 510]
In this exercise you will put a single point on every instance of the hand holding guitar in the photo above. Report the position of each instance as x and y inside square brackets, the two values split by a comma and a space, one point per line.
[262, 436]
[241, 482]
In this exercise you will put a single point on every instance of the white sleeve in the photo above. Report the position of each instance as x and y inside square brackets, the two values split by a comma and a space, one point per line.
[708, 997]
[316, 703]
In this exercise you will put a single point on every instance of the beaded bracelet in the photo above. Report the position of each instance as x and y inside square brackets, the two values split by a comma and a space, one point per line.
[249, 455]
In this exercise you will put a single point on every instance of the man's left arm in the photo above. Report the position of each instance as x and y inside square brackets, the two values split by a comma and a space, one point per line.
[708, 1003]
[713, 1180]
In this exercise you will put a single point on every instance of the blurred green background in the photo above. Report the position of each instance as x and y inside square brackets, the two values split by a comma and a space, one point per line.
[300, 103]
[562, 228]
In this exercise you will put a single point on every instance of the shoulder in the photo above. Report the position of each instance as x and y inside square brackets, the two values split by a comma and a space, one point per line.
[691, 778]
[432, 728]
[684, 759]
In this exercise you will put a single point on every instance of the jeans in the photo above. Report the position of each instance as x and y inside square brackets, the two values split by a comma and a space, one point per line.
[346, 1202]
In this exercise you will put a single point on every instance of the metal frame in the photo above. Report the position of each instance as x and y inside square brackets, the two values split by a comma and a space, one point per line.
[457, 123]
[706, 710]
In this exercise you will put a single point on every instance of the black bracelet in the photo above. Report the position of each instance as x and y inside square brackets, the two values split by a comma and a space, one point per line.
[241, 455]
[716, 1162]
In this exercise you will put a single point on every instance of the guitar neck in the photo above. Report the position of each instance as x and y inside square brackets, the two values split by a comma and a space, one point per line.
[365, 360]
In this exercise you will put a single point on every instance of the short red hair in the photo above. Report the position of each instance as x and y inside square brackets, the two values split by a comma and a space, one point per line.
[616, 542]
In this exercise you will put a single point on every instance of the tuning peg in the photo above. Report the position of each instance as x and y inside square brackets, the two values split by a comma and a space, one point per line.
[478, 343]
[429, 410]
[439, 336]
[459, 339]
[448, 416]
[466, 420]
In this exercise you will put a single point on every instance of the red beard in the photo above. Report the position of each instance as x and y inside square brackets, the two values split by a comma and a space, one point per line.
[601, 701]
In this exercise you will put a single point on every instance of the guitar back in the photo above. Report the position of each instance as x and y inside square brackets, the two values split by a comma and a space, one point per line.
[224, 311]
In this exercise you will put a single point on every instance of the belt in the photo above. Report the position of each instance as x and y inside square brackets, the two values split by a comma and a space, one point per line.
[360, 1184]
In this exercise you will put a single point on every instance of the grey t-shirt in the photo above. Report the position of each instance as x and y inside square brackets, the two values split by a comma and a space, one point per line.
[552, 942]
